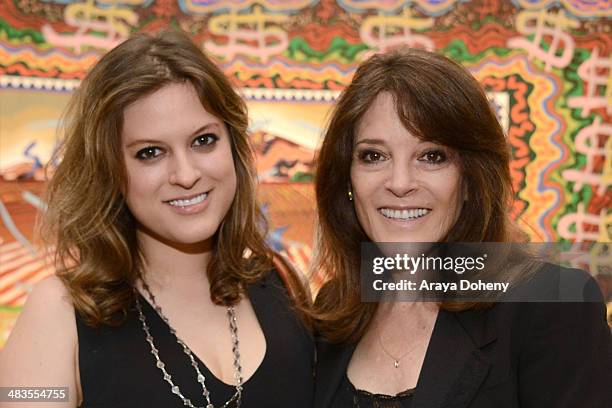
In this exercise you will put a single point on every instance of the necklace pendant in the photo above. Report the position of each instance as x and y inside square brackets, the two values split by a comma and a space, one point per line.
[396, 363]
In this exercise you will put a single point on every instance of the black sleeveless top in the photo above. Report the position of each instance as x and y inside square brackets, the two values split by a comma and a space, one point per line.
[118, 370]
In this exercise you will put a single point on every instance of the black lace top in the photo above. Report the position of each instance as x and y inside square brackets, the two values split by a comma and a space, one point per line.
[350, 397]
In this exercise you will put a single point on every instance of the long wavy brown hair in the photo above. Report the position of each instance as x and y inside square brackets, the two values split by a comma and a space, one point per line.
[437, 100]
[88, 222]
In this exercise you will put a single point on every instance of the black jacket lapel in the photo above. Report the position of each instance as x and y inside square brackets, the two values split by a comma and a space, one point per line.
[454, 366]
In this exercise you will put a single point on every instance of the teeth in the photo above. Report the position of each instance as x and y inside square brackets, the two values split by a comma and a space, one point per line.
[192, 201]
[404, 214]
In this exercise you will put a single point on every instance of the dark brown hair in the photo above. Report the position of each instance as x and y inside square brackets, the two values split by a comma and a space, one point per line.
[88, 221]
[439, 101]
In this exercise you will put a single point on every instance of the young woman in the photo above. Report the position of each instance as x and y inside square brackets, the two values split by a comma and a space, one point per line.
[414, 154]
[165, 293]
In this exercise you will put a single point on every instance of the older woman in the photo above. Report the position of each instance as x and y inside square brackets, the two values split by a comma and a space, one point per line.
[165, 294]
[414, 153]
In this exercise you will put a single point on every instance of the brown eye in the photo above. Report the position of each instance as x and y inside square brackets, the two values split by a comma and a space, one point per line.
[434, 157]
[148, 153]
[207, 139]
[370, 156]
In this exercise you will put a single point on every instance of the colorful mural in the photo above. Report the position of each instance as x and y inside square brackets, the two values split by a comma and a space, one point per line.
[547, 65]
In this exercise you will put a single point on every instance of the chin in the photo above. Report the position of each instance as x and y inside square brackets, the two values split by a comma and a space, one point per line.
[405, 238]
[192, 239]
[194, 236]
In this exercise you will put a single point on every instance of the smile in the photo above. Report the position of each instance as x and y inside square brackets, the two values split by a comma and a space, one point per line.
[186, 203]
[404, 215]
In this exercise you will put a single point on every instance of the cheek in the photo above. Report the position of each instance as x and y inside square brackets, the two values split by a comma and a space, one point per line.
[224, 174]
[220, 164]
[363, 184]
[450, 191]
[142, 184]
[137, 186]
[232, 181]
[361, 209]
[364, 190]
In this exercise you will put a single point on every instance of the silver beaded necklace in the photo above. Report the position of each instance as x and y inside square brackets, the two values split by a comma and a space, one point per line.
[231, 314]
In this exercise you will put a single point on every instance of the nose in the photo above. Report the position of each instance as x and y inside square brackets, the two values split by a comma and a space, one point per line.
[401, 179]
[184, 172]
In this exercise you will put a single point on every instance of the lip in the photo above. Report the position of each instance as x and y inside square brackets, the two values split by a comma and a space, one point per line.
[403, 207]
[186, 197]
[405, 223]
[191, 209]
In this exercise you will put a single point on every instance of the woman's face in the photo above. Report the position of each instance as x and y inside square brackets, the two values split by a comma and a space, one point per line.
[405, 189]
[181, 175]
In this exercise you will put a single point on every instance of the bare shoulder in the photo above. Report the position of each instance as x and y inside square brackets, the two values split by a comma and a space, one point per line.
[50, 289]
[47, 306]
[41, 348]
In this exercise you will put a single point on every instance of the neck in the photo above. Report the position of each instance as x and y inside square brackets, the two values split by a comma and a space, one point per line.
[170, 265]
[405, 316]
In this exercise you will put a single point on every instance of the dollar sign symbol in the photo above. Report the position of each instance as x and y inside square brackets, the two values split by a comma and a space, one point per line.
[590, 71]
[587, 143]
[542, 24]
[268, 40]
[402, 23]
[578, 219]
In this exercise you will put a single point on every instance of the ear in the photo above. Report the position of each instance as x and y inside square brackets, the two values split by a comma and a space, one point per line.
[464, 190]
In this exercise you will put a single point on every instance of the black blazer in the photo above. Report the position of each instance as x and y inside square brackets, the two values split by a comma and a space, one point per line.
[511, 355]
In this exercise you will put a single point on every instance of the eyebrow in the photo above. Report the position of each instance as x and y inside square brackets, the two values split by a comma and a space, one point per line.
[198, 131]
[383, 142]
[371, 141]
